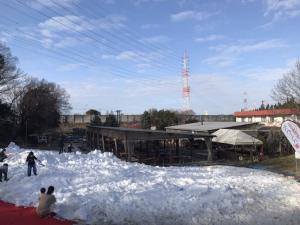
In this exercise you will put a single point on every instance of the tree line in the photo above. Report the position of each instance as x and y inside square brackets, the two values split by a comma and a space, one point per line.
[27, 105]
[110, 120]
[288, 104]
[159, 119]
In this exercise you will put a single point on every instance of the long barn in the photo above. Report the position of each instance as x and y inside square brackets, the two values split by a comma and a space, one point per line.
[149, 146]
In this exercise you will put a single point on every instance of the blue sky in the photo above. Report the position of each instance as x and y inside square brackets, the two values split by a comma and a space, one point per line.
[127, 54]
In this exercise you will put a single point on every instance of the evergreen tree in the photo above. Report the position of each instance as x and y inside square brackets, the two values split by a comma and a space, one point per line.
[7, 123]
[96, 121]
[111, 121]
[146, 120]
[160, 119]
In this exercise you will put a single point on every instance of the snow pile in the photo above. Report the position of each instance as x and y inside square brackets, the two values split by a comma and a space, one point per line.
[100, 189]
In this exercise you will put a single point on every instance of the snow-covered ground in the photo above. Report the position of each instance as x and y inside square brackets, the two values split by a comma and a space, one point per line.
[100, 189]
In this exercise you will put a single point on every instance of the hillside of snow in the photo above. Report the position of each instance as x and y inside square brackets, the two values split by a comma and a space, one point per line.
[98, 188]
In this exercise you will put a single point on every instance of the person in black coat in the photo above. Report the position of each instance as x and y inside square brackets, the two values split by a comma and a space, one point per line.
[70, 147]
[31, 163]
[3, 155]
[3, 170]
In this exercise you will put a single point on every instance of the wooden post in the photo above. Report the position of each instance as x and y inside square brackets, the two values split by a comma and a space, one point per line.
[126, 145]
[98, 141]
[147, 148]
[94, 145]
[130, 150]
[116, 146]
[103, 144]
[178, 153]
[177, 147]
[251, 155]
[209, 149]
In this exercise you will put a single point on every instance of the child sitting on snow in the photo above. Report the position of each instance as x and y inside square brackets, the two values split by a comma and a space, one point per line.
[3, 170]
[43, 190]
[45, 203]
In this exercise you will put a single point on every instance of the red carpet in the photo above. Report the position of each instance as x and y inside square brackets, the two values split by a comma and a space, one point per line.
[12, 215]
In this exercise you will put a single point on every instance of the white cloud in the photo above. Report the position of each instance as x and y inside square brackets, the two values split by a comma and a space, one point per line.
[67, 23]
[140, 2]
[156, 39]
[108, 1]
[65, 31]
[71, 23]
[266, 74]
[39, 4]
[282, 8]
[71, 66]
[227, 54]
[125, 55]
[5, 36]
[136, 56]
[213, 37]
[150, 26]
[66, 42]
[143, 67]
[189, 15]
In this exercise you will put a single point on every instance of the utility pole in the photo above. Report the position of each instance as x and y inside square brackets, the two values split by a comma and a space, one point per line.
[119, 116]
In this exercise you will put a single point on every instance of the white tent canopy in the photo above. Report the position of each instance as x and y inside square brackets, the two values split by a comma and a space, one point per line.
[234, 137]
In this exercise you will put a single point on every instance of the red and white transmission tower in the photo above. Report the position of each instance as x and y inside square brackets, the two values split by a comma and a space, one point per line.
[185, 83]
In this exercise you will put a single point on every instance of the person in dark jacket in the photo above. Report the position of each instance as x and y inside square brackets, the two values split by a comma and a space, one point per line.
[31, 163]
[3, 155]
[70, 148]
[4, 170]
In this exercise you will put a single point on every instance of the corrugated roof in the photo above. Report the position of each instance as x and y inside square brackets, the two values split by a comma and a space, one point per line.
[269, 112]
[160, 132]
[208, 126]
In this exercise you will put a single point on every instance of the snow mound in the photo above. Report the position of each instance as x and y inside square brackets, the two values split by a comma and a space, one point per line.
[99, 188]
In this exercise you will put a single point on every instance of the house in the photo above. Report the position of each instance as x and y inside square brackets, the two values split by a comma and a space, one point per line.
[269, 117]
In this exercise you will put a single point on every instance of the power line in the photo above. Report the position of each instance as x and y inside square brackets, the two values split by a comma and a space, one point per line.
[71, 28]
[50, 53]
[132, 31]
[112, 35]
[122, 70]
[88, 60]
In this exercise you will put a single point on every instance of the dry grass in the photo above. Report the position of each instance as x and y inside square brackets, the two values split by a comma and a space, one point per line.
[283, 165]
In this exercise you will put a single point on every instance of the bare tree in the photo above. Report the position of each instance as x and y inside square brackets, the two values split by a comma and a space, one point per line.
[41, 104]
[9, 73]
[288, 87]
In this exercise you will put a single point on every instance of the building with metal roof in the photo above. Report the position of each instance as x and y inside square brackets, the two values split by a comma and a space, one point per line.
[271, 117]
[210, 126]
[142, 144]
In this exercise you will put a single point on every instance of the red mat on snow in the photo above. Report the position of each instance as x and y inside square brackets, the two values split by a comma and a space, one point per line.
[12, 215]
